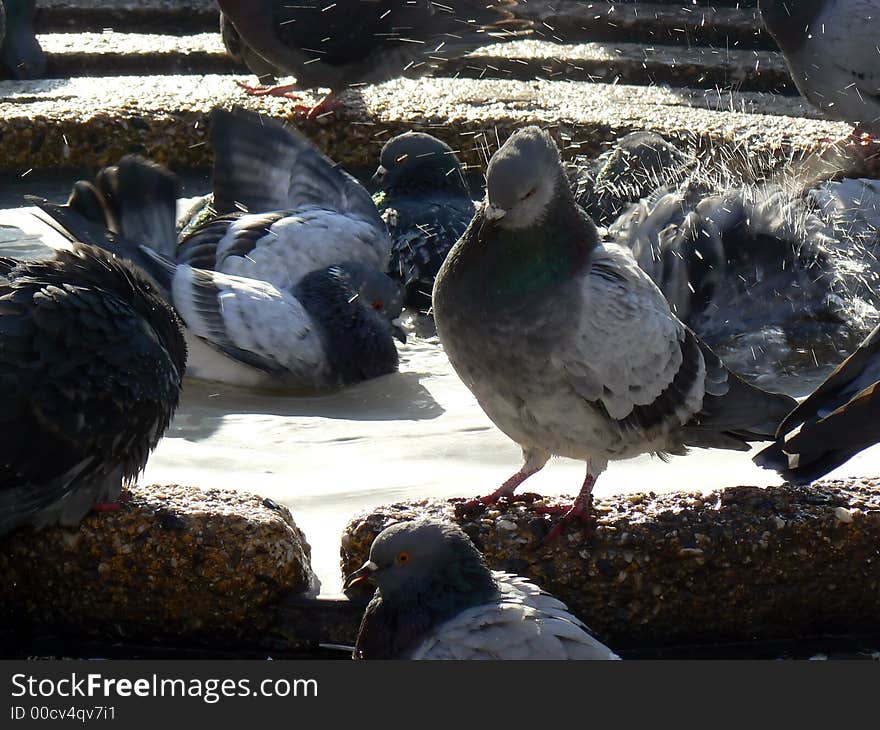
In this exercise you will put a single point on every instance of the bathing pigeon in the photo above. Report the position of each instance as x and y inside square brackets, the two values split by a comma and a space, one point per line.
[20, 54]
[91, 363]
[834, 423]
[283, 208]
[356, 42]
[830, 47]
[638, 164]
[425, 202]
[436, 599]
[320, 332]
[568, 345]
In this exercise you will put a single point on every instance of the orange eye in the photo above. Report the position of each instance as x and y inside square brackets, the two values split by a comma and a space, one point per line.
[403, 558]
[378, 306]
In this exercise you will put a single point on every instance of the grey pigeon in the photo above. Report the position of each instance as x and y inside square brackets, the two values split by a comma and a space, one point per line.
[425, 202]
[20, 54]
[568, 345]
[834, 423]
[436, 599]
[355, 42]
[315, 334]
[638, 164]
[282, 208]
[830, 47]
[91, 363]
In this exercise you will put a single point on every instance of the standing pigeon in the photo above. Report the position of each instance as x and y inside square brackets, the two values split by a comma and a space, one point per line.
[568, 345]
[20, 54]
[91, 363]
[425, 202]
[314, 334]
[830, 47]
[436, 599]
[834, 423]
[356, 42]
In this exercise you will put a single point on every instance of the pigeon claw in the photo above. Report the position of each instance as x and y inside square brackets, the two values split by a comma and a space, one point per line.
[285, 91]
[124, 496]
[107, 507]
[580, 511]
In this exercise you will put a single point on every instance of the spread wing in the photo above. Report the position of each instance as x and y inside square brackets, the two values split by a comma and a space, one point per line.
[833, 423]
[250, 321]
[261, 166]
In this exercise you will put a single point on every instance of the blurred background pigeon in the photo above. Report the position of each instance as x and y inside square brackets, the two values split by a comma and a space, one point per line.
[351, 42]
[436, 599]
[20, 54]
[567, 344]
[634, 167]
[425, 202]
[91, 364]
[830, 47]
[774, 273]
[834, 423]
[317, 333]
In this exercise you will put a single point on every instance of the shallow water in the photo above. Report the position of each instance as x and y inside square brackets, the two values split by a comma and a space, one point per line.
[418, 433]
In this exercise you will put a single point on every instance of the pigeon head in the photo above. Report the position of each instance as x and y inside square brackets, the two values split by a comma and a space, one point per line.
[523, 178]
[427, 563]
[416, 159]
[356, 337]
[374, 288]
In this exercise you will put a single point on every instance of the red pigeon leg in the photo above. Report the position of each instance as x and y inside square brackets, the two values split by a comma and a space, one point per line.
[581, 509]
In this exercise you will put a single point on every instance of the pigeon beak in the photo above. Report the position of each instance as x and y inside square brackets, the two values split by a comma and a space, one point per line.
[398, 332]
[493, 213]
[378, 176]
[365, 572]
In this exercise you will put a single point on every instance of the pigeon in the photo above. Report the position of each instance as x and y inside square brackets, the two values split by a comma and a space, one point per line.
[436, 599]
[638, 164]
[834, 423]
[830, 47]
[316, 334]
[356, 42]
[425, 202]
[20, 54]
[568, 346]
[91, 364]
[282, 208]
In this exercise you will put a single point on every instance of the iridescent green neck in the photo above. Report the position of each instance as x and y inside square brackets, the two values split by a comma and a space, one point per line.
[530, 261]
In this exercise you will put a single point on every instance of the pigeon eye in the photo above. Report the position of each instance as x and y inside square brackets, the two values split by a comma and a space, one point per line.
[402, 558]
[378, 306]
[529, 194]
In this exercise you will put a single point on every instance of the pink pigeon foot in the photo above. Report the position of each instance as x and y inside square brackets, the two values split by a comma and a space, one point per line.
[124, 496]
[285, 90]
[581, 509]
[328, 105]
[505, 491]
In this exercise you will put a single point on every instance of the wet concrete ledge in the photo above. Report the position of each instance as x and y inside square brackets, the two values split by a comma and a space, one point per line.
[173, 565]
[113, 53]
[742, 564]
[181, 572]
[723, 24]
[91, 122]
